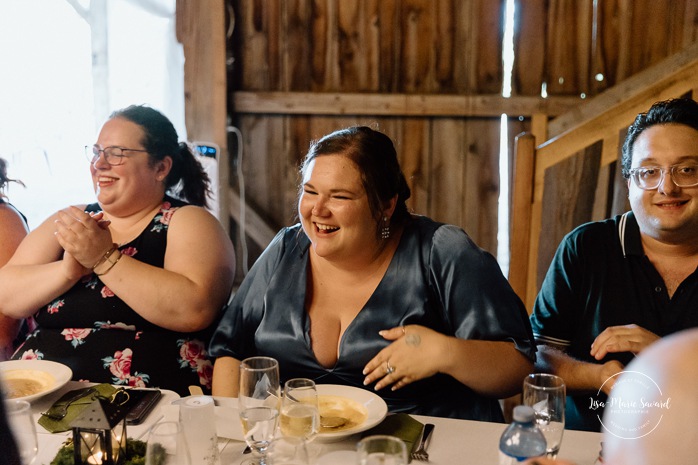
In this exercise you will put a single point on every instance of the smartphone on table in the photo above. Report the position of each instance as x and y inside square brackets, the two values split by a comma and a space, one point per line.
[140, 404]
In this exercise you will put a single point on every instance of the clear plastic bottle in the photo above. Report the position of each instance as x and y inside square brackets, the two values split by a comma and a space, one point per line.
[522, 439]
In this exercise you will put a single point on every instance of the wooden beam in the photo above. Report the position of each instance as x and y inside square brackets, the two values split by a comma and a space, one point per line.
[539, 127]
[524, 161]
[607, 123]
[636, 84]
[372, 104]
[255, 227]
[201, 30]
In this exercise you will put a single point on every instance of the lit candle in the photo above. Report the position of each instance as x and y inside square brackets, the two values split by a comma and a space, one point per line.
[95, 458]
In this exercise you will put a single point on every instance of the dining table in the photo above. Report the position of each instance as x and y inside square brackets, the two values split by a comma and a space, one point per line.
[453, 441]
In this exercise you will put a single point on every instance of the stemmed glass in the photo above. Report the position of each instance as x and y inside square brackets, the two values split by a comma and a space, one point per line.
[21, 421]
[167, 445]
[546, 394]
[300, 414]
[258, 404]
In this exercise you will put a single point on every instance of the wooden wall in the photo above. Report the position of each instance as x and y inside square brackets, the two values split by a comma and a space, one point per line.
[310, 53]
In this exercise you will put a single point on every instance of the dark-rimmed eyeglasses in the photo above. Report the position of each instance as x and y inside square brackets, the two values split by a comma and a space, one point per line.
[650, 177]
[112, 155]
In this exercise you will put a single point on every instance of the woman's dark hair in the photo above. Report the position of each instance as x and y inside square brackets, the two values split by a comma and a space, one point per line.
[3, 177]
[160, 141]
[375, 157]
[673, 111]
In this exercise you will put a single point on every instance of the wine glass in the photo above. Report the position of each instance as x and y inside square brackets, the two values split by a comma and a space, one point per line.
[167, 445]
[21, 423]
[258, 404]
[288, 450]
[382, 450]
[300, 414]
[546, 394]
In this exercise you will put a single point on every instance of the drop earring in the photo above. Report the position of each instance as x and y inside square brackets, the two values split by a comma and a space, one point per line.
[385, 230]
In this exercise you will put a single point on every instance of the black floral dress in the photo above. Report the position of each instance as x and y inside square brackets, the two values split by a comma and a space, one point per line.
[103, 340]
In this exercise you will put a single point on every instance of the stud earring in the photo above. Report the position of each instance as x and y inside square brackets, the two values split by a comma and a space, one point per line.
[385, 230]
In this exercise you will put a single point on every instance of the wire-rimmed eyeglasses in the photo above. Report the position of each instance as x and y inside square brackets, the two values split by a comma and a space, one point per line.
[650, 177]
[112, 155]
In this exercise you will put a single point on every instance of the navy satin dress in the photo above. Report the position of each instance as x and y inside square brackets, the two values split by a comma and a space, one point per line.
[437, 278]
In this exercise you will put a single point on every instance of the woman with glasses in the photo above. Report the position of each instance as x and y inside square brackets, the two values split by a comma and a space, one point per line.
[126, 290]
[363, 293]
[13, 228]
[617, 286]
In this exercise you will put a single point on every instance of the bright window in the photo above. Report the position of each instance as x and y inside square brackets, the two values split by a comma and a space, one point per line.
[50, 105]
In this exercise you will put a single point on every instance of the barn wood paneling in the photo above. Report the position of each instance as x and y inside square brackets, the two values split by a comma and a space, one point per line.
[355, 46]
[392, 48]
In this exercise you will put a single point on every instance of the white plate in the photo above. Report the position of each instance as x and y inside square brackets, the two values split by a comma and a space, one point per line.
[375, 407]
[51, 375]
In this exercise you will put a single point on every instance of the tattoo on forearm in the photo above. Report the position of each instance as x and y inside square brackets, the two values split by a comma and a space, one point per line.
[413, 339]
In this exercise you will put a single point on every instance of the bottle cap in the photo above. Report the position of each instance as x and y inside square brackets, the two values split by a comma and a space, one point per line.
[524, 414]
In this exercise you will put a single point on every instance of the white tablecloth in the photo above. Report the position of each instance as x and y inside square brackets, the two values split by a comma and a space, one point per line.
[453, 441]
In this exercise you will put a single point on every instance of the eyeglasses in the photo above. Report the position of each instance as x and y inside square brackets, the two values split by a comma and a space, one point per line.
[112, 155]
[650, 177]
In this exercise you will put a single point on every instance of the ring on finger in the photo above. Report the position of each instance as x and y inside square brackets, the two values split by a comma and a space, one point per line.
[389, 369]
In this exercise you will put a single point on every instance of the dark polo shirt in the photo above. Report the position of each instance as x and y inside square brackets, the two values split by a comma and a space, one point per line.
[600, 277]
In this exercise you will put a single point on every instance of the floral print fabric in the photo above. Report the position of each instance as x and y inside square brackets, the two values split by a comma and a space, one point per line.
[101, 339]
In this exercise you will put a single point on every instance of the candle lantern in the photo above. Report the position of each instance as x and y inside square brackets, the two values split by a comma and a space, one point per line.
[99, 434]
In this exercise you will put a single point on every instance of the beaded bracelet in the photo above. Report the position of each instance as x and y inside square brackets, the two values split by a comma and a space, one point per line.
[107, 258]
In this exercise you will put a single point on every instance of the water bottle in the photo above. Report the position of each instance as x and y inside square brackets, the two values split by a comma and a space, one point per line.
[522, 439]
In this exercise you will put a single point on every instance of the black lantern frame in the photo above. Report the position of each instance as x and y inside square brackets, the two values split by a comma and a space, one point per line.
[99, 434]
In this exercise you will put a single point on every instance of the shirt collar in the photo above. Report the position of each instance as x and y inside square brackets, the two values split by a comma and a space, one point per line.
[629, 232]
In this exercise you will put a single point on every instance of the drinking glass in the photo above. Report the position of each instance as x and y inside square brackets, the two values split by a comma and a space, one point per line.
[258, 403]
[546, 394]
[381, 450]
[167, 445]
[21, 421]
[300, 414]
[288, 450]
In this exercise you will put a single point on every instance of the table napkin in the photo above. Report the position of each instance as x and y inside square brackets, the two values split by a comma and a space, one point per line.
[75, 408]
[400, 425]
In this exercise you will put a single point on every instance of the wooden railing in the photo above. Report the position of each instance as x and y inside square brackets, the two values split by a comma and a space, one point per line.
[600, 122]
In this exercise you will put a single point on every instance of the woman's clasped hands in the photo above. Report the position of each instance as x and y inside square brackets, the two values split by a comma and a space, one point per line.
[413, 355]
[84, 237]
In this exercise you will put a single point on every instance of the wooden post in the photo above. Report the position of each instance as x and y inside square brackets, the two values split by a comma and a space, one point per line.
[522, 194]
[201, 31]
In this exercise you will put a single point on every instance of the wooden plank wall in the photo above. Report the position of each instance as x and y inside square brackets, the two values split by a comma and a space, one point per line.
[378, 46]
[615, 40]
[433, 47]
